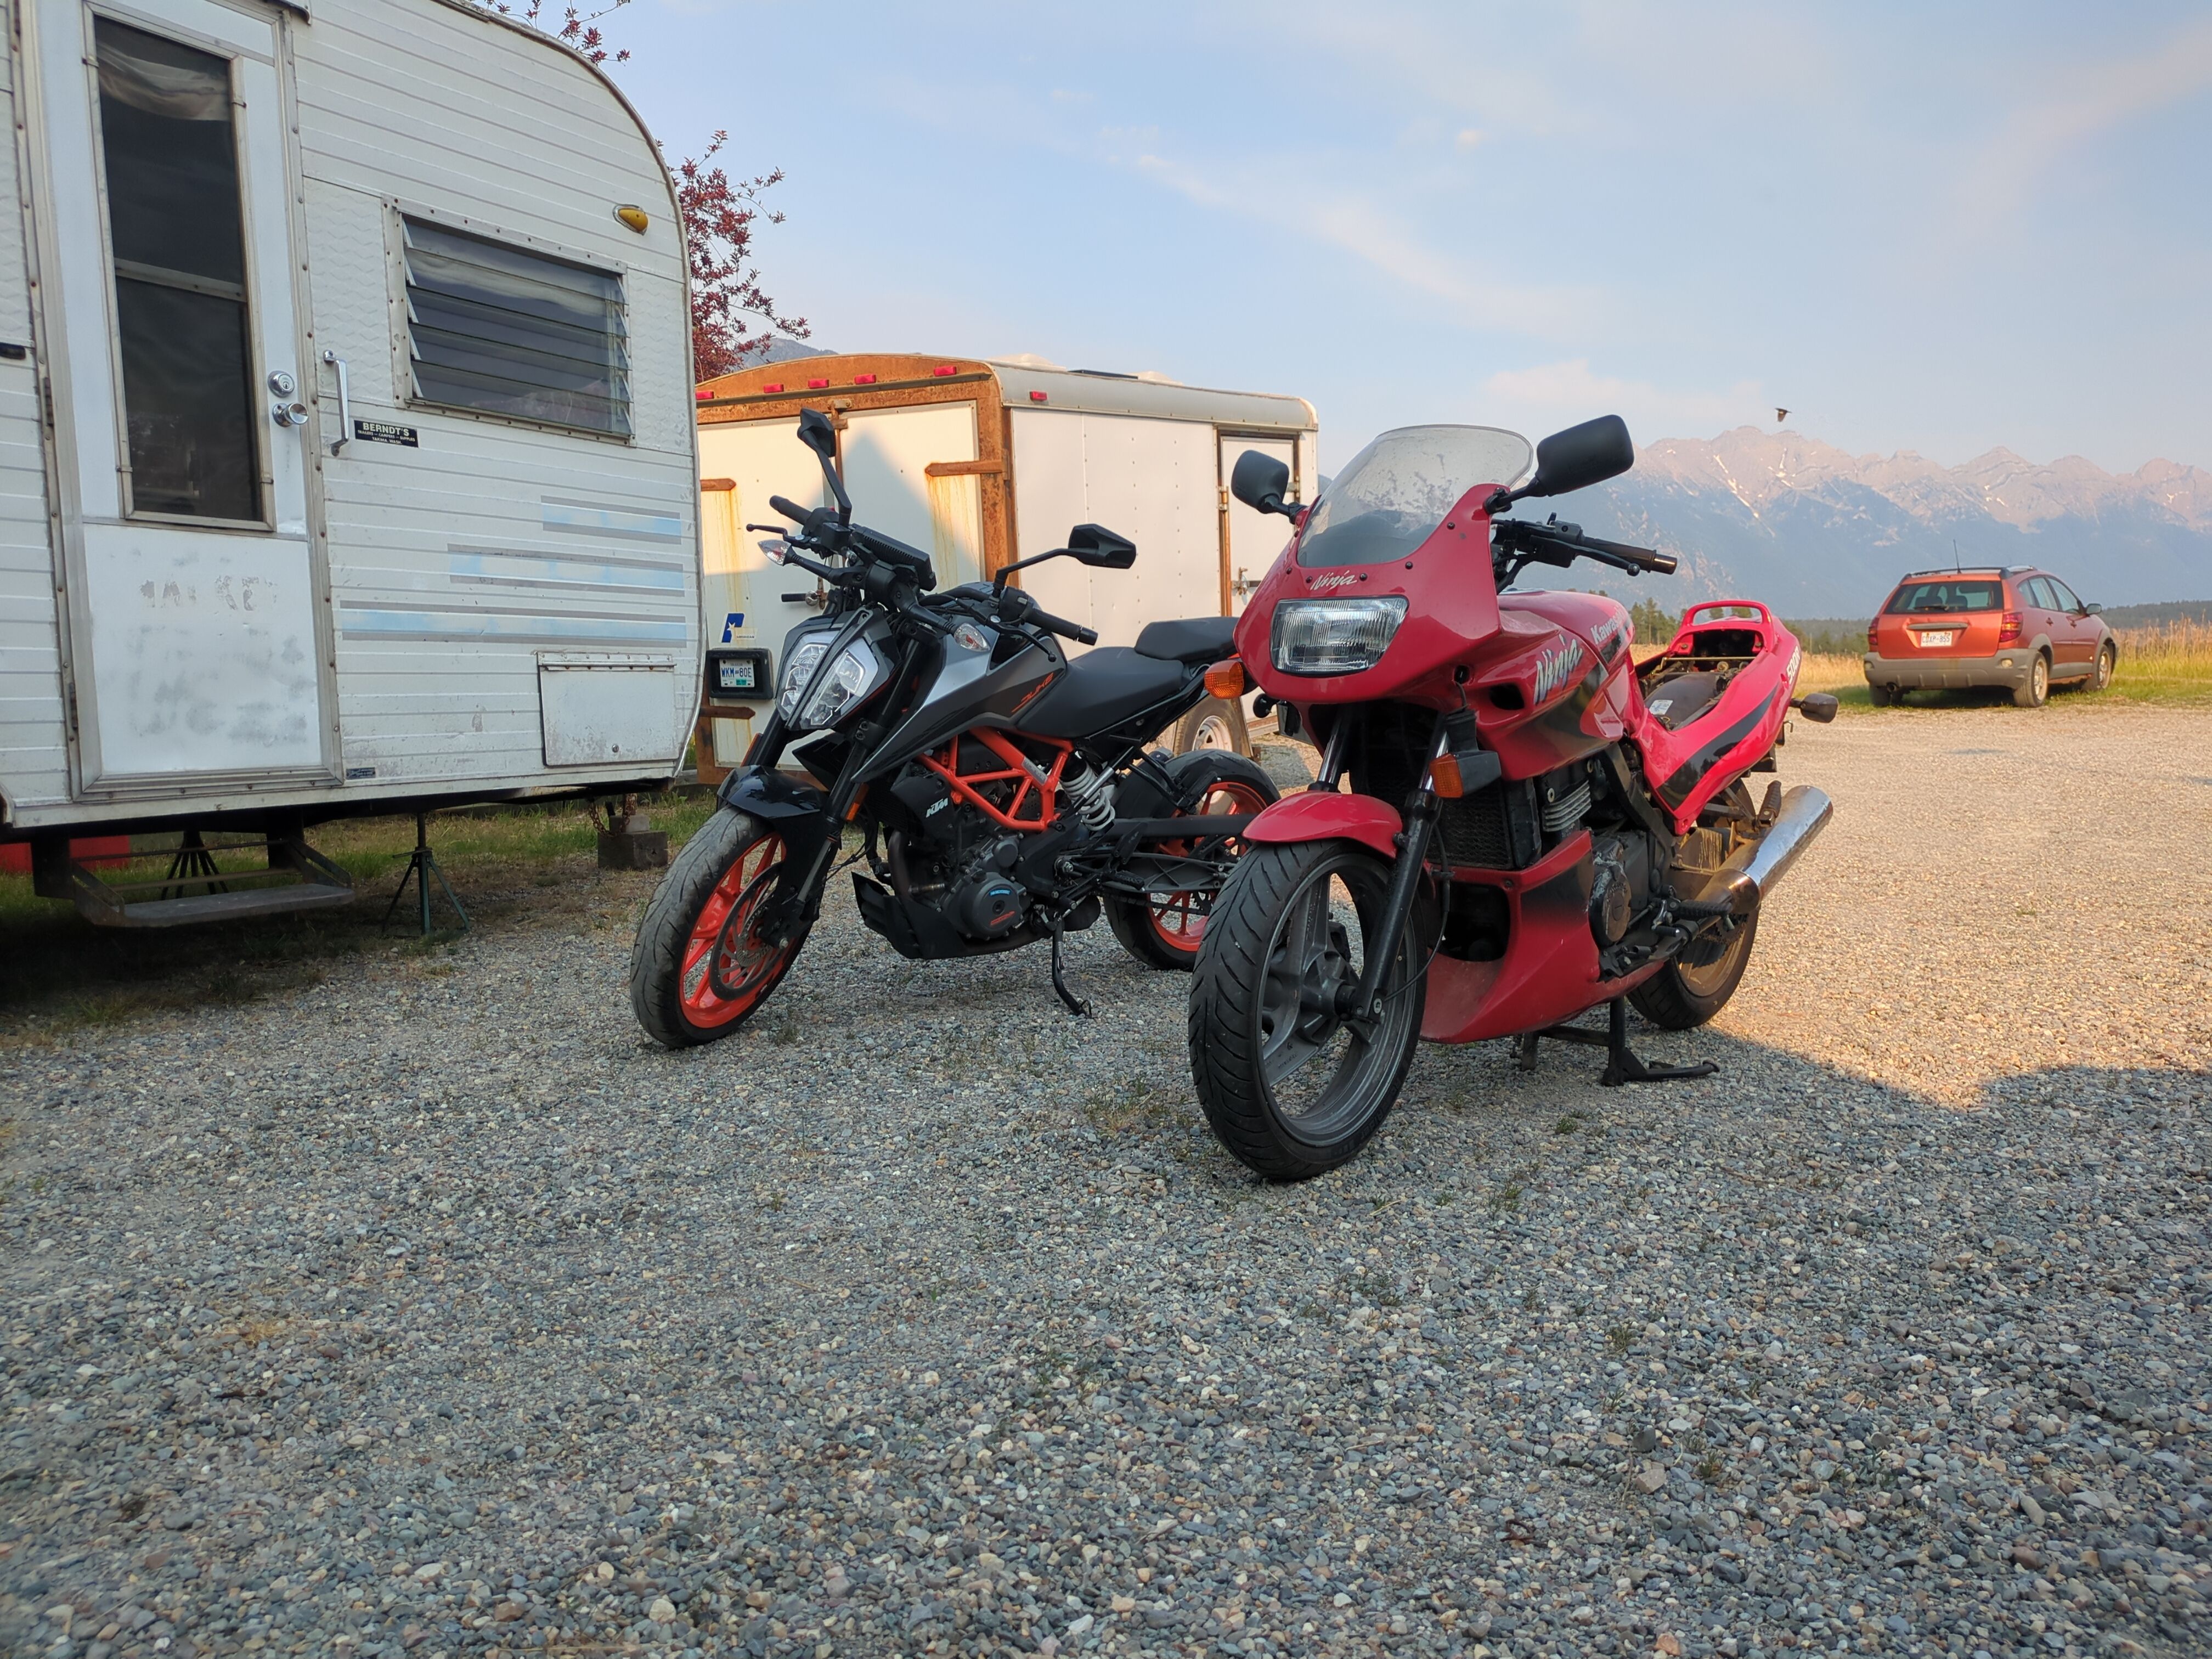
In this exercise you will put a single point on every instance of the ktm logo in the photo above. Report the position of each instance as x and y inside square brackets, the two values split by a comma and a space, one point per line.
[1556, 667]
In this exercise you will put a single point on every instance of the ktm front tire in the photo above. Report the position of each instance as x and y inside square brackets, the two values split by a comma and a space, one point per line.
[699, 968]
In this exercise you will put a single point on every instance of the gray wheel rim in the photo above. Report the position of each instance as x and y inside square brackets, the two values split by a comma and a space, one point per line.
[1322, 1077]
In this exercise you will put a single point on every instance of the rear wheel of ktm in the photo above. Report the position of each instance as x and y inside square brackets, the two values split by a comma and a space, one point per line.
[1288, 1086]
[700, 967]
[1681, 995]
[1162, 930]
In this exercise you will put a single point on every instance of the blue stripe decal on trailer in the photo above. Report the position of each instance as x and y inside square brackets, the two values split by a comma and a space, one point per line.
[588, 519]
[373, 621]
[538, 570]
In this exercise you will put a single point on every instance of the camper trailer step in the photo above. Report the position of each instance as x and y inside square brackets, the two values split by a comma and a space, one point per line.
[224, 907]
[295, 877]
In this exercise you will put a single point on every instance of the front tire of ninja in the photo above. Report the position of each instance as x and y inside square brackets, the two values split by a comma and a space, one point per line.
[1277, 942]
[696, 971]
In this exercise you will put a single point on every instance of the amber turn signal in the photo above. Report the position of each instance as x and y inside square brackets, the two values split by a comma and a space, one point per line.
[1443, 772]
[635, 217]
[1226, 680]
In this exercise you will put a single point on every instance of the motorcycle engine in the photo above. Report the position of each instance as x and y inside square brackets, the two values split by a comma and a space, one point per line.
[986, 903]
[1620, 885]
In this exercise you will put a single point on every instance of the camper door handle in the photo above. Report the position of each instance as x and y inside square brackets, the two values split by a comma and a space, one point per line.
[345, 402]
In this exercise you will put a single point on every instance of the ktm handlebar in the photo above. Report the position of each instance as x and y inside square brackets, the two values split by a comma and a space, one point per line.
[1066, 630]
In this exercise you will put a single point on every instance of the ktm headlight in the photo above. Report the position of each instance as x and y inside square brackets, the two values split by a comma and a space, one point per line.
[814, 696]
[1333, 637]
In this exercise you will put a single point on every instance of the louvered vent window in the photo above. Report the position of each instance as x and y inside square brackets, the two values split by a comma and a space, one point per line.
[504, 330]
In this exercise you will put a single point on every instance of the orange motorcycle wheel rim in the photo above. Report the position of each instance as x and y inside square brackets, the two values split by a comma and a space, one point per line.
[727, 968]
[1179, 918]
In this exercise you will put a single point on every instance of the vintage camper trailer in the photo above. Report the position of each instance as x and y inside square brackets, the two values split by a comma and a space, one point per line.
[983, 462]
[347, 462]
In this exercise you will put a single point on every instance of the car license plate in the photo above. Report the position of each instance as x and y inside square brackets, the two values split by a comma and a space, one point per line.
[1943, 636]
[737, 673]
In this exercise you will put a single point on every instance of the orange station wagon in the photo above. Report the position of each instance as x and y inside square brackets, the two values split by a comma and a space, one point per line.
[2017, 626]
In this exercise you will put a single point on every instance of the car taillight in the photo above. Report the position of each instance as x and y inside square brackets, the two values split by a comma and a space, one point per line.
[1873, 627]
[2009, 628]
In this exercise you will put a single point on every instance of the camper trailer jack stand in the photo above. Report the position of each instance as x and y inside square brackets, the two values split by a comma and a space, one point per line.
[422, 865]
[193, 866]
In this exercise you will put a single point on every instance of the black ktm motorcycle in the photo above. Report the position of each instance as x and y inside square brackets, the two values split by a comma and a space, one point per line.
[1003, 793]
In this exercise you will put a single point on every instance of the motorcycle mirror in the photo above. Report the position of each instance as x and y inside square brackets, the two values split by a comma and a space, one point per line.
[1816, 706]
[1259, 482]
[1581, 456]
[1096, 545]
[819, 434]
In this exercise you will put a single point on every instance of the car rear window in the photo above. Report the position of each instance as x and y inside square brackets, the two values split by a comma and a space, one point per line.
[1947, 597]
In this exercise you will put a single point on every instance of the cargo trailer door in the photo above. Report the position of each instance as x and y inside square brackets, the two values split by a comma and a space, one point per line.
[198, 655]
[911, 474]
[1250, 540]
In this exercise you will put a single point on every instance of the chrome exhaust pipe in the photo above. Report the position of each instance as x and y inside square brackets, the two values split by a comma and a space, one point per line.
[1753, 870]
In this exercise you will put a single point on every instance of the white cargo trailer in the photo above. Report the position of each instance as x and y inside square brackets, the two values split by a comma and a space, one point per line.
[982, 462]
[347, 461]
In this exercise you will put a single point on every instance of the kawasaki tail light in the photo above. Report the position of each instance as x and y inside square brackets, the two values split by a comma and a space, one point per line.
[2009, 628]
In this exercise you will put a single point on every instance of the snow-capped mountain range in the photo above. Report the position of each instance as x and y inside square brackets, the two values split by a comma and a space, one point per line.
[1816, 532]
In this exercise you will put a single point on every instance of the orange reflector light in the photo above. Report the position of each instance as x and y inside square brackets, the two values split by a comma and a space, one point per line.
[863, 380]
[703, 395]
[1036, 397]
[946, 368]
[773, 386]
[1443, 772]
[1226, 680]
[816, 385]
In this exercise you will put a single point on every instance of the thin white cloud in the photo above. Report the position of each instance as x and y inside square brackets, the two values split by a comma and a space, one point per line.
[2098, 98]
[1570, 389]
[1357, 227]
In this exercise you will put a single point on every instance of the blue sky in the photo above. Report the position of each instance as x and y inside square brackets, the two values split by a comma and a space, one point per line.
[1938, 228]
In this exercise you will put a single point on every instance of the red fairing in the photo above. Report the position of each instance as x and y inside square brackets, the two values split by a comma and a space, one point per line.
[1319, 815]
[1549, 972]
[1688, 768]
[1451, 606]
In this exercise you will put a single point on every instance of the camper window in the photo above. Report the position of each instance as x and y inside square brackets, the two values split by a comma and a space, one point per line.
[171, 161]
[502, 330]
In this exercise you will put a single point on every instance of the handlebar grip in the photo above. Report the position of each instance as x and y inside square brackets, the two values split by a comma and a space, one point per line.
[789, 508]
[1065, 629]
[1643, 558]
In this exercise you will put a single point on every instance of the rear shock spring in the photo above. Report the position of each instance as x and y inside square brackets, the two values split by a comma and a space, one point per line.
[1091, 793]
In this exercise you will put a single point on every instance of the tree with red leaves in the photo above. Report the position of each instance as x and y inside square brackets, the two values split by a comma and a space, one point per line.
[719, 217]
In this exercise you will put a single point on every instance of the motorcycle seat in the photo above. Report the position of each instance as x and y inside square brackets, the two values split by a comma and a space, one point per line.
[1674, 703]
[1101, 688]
[1198, 639]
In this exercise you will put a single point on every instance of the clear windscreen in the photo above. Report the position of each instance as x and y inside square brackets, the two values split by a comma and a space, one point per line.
[1397, 490]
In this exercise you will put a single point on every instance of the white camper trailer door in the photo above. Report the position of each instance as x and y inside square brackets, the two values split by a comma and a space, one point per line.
[194, 597]
[1252, 540]
[887, 453]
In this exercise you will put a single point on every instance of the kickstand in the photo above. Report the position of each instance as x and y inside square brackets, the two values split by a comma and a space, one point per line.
[1075, 1003]
[1620, 1066]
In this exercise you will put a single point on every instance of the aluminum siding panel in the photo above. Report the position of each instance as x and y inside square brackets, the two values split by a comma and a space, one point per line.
[34, 753]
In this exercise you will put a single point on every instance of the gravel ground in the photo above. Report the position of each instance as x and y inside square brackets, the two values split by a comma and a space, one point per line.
[427, 1312]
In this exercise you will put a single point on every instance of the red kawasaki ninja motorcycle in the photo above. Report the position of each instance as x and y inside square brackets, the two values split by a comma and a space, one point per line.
[1534, 826]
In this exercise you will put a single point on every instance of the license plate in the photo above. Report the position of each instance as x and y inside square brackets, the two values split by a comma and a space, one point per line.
[737, 673]
[1943, 637]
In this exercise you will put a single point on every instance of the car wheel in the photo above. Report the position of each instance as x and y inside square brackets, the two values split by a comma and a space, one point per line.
[2107, 660]
[1879, 695]
[2035, 691]
[1216, 723]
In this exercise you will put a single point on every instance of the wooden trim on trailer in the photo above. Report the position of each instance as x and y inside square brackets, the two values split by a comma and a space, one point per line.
[717, 484]
[963, 470]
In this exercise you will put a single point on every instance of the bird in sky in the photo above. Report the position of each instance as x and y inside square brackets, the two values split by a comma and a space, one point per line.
[1780, 415]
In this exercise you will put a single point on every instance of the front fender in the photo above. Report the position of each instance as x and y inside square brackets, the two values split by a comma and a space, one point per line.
[770, 795]
[1323, 815]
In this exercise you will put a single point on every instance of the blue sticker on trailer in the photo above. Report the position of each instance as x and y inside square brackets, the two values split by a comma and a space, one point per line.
[731, 624]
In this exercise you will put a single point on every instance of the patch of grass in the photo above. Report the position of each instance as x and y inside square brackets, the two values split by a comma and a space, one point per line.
[1124, 1106]
[1709, 1469]
[60, 975]
[1568, 1125]
[1620, 1339]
